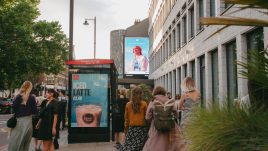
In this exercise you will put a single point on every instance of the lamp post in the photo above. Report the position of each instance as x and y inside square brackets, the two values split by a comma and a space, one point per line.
[71, 29]
[86, 23]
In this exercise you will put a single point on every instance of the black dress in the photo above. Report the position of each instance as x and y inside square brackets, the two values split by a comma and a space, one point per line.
[47, 115]
[35, 121]
[118, 115]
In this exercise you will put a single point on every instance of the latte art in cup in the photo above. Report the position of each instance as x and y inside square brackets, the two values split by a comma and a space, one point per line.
[88, 115]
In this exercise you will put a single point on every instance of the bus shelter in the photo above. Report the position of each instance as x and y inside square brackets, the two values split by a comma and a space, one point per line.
[92, 87]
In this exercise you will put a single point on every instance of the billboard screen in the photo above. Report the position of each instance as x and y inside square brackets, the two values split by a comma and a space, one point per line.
[136, 56]
[89, 104]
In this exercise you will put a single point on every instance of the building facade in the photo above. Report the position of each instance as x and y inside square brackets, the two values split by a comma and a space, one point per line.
[117, 49]
[180, 46]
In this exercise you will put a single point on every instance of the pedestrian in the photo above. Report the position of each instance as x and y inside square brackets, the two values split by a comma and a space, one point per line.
[47, 125]
[24, 106]
[158, 140]
[63, 108]
[135, 124]
[189, 99]
[118, 117]
[37, 143]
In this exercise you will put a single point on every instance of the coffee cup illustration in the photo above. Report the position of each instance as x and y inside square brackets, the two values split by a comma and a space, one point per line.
[88, 115]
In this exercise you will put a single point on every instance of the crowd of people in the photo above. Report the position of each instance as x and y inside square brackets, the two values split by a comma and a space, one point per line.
[156, 125]
[40, 119]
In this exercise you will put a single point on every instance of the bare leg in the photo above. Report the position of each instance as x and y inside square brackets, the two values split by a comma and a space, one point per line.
[51, 147]
[46, 145]
[116, 137]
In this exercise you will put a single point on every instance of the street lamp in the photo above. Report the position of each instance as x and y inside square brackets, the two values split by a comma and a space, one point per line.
[71, 23]
[86, 23]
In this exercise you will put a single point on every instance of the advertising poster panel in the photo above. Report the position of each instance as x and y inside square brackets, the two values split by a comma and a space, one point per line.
[136, 55]
[89, 105]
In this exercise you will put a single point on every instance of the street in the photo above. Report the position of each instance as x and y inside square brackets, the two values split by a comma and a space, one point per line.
[64, 146]
[4, 130]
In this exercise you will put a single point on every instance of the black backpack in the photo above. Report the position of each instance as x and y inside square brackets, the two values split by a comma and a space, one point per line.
[164, 118]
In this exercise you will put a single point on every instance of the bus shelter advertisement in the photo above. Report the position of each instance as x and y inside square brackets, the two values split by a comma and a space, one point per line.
[89, 105]
[136, 55]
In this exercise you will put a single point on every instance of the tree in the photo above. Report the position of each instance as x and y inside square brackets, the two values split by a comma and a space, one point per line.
[28, 47]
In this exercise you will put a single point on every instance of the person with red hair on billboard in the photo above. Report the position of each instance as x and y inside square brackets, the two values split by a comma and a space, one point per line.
[140, 62]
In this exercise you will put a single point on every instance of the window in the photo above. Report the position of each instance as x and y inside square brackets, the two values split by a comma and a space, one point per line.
[178, 36]
[201, 12]
[212, 8]
[174, 40]
[215, 76]
[170, 81]
[179, 80]
[170, 46]
[167, 50]
[184, 71]
[184, 26]
[174, 89]
[202, 81]
[191, 22]
[255, 43]
[232, 91]
[193, 69]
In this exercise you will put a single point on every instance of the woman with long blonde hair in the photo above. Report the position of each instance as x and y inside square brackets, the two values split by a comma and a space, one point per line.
[135, 125]
[24, 106]
[189, 98]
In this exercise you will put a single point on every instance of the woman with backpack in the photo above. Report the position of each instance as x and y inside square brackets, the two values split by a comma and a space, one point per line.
[163, 134]
[135, 124]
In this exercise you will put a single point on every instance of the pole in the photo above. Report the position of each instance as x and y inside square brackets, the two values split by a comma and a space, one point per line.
[95, 37]
[71, 30]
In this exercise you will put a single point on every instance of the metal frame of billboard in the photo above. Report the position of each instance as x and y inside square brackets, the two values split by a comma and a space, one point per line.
[134, 76]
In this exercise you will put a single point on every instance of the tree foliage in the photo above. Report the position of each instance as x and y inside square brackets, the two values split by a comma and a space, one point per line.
[28, 47]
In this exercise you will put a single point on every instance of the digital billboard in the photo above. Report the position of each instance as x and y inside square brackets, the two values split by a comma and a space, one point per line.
[89, 105]
[136, 56]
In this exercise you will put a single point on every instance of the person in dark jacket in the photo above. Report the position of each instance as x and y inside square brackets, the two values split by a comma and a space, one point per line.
[118, 117]
[24, 106]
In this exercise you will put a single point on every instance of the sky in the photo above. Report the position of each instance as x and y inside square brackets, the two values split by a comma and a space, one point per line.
[110, 15]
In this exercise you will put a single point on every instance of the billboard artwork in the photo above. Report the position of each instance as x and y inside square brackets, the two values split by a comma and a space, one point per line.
[89, 104]
[136, 55]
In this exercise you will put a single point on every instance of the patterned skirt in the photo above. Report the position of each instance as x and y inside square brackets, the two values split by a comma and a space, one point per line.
[135, 139]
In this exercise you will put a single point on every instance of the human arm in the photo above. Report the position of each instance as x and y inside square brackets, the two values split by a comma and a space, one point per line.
[17, 101]
[33, 105]
[56, 110]
[55, 119]
[182, 100]
[37, 126]
[149, 112]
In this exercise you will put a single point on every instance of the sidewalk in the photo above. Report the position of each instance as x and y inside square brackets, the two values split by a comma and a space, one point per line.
[64, 146]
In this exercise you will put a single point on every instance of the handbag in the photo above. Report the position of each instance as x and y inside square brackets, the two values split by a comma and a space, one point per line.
[12, 122]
